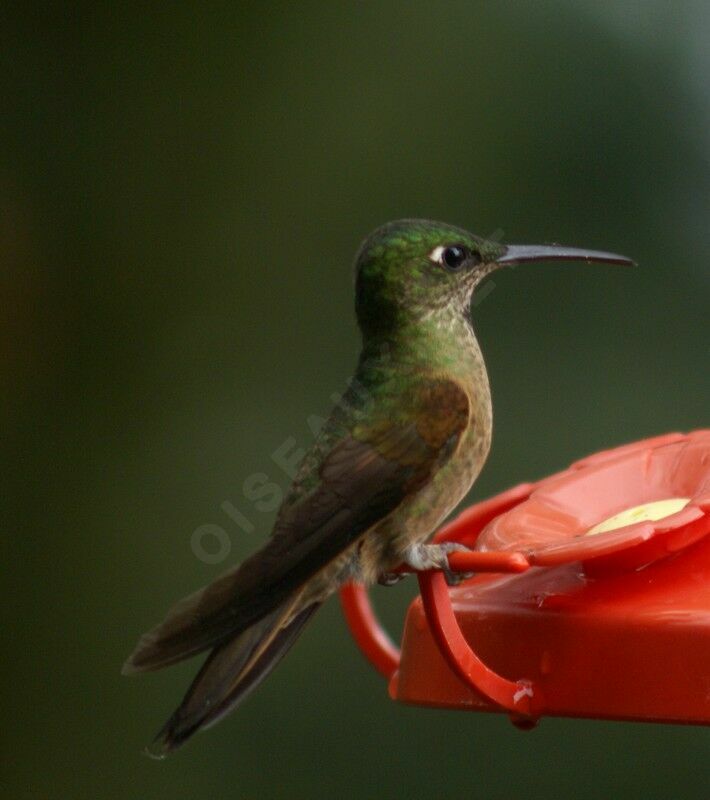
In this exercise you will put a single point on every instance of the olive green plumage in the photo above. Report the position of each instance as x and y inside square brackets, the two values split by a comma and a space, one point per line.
[394, 458]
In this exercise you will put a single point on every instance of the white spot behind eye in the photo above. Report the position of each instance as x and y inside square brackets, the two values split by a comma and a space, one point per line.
[436, 253]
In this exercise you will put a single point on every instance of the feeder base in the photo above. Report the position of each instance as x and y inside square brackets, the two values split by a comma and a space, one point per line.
[630, 646]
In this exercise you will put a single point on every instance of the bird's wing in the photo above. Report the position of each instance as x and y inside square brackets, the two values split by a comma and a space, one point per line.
[388, 455]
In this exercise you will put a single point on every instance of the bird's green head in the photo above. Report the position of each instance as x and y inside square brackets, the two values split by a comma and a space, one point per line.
[413, 268]
[416, 269]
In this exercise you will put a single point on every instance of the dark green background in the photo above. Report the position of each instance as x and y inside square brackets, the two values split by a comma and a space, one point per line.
[181, 194]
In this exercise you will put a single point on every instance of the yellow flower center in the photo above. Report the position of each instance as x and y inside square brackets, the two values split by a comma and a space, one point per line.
[643, 513]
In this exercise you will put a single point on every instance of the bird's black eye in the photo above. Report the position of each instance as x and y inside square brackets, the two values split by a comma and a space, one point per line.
[453, 257]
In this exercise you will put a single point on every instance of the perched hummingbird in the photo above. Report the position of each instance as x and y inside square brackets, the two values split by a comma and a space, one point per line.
[392, 461]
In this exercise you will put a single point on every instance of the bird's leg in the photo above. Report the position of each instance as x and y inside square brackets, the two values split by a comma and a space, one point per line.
[436, 556]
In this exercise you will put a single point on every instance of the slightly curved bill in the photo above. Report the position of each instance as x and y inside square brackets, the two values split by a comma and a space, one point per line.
[523, 253]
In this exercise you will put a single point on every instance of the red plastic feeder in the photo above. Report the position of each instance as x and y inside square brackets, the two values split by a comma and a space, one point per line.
[592, 597]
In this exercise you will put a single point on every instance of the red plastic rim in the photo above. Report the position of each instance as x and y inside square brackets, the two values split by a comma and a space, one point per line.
[556, 524]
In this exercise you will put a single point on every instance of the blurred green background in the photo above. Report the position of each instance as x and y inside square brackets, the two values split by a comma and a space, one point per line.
[181, 195]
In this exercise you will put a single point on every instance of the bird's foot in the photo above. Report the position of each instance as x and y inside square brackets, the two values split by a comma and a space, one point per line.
[391, 578]
[436, 556]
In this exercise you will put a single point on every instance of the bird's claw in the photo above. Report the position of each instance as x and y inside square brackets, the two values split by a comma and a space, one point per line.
[454, 578]
[436, 556]
[391, 578]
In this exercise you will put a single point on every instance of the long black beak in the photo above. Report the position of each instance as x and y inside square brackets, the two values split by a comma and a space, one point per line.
[522, 253]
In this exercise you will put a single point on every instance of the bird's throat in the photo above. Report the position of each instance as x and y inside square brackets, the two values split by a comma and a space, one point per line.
[441, 344]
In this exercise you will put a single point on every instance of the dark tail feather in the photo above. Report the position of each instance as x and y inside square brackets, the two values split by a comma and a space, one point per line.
[229, 674]
[188, 628]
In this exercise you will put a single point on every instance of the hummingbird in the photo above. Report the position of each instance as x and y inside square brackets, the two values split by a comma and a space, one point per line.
[396, 455]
